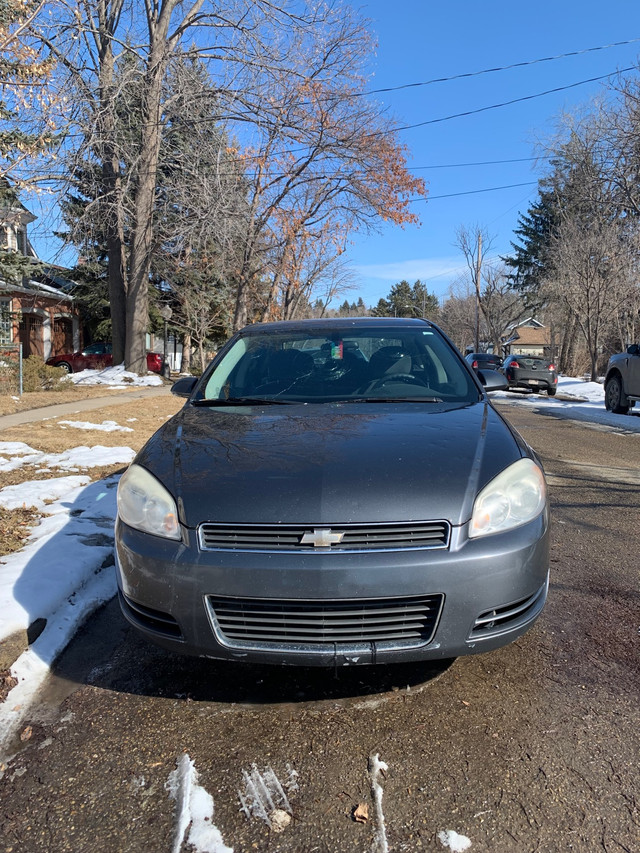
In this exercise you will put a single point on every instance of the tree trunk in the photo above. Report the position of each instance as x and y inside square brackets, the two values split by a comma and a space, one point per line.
[111, 185]
[185, 364]
[142, 235]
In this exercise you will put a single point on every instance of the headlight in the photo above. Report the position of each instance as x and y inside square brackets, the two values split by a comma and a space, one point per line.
[144, 503]
[517, 495]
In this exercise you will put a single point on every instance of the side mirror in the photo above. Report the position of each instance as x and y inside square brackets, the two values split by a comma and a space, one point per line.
[184, 386]
[633, 349]
[492, 380]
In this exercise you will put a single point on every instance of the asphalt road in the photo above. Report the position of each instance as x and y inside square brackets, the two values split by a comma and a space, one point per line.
[531, 748]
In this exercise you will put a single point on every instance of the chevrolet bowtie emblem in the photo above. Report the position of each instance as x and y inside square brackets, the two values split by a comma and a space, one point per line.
[322, 537]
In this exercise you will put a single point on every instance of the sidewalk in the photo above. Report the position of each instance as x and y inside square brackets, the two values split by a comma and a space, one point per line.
[59, 409]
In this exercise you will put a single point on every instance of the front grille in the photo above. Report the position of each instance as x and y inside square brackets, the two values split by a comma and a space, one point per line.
[357, 537]
[406, 621]
[508, 616]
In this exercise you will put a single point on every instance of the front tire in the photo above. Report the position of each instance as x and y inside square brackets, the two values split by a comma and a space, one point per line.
[614, 398]
[66, 367]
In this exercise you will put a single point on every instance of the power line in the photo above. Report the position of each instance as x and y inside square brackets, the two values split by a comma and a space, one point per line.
[508, 103]
[478, 163]
[473, 192]
[497, 68]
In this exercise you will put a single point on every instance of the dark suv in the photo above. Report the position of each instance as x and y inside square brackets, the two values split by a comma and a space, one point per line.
[483, 360]
[622, 382]
[531, 373]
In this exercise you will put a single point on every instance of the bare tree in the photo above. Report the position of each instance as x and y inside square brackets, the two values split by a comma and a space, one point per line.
[30, 110]
[592, 277]
[328, 156]
[253, 50]
[475, 244]
[594, 274]
[458, 314]
[502, 306]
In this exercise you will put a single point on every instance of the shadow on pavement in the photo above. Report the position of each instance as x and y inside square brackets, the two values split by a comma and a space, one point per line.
[107, 653]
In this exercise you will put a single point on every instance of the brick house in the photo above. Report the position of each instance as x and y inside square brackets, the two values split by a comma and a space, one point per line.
[37, 311]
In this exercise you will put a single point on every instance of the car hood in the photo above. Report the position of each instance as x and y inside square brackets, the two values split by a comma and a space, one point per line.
[330, 464]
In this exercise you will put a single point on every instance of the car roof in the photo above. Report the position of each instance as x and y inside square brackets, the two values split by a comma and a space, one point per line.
[326, 324]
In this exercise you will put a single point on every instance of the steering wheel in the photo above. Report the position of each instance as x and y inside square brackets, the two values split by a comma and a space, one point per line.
[398, 377]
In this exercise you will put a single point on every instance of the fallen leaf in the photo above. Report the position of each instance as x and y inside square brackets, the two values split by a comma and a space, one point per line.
[280, 820]
[361, 813]
[26, 734]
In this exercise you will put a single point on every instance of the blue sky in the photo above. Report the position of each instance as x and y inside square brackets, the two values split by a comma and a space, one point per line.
[420, 40]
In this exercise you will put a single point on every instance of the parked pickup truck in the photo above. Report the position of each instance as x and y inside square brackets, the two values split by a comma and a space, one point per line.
[622, 382]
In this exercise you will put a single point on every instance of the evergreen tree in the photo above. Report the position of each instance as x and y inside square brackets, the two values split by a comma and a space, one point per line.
[382, 309]
[529, 263]
[405, 300]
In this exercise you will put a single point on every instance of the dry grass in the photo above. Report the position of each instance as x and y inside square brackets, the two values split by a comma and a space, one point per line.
[143, 416]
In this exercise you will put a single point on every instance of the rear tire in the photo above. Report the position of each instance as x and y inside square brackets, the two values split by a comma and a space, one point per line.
[551, 392]
[614, 398]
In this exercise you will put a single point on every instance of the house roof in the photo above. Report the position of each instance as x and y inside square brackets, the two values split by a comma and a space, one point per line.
[11, 208]
[530, 321]
[530, 336]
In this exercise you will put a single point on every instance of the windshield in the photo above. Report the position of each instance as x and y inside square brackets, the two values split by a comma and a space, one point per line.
[313, 366]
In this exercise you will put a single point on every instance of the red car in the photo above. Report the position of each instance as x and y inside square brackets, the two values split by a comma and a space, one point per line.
[95, 357]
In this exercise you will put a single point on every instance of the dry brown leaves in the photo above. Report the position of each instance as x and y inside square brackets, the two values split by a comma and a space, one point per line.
[15, 526]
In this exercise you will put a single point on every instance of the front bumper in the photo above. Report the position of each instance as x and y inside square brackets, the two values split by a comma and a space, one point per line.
[483, 594]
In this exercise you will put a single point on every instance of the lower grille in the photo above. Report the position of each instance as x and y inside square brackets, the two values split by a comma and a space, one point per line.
[356, 537]
[401, 621]
[152, 620]
[508, 616]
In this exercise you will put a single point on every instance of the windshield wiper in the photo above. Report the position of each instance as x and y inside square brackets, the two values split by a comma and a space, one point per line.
[244, 401]
[392, 400]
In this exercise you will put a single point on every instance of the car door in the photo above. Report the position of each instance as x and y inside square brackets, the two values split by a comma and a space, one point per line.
[633, 364]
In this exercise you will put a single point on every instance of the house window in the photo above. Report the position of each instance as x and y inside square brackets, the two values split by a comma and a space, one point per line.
[6, 323]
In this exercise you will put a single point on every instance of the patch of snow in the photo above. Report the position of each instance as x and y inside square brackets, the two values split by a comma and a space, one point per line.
[15, 448]
[71, 460]
[115, 376]
[455, 842]
[376, 769]
[62, 554]
[194, 811]
[36, 493]
[578, 400]
[33, 666]
[264, 795]
[105, 426]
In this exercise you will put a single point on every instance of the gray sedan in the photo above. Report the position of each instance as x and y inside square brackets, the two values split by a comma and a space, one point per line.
[334, 492]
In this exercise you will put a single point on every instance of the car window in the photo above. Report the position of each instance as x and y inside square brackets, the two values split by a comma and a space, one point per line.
[97, 349]
[530, 361]
[303, 365]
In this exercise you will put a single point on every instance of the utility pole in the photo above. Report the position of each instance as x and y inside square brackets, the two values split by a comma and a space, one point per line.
[477, 283]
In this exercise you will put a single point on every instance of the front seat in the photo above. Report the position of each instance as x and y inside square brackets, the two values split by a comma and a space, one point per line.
[389, 361]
